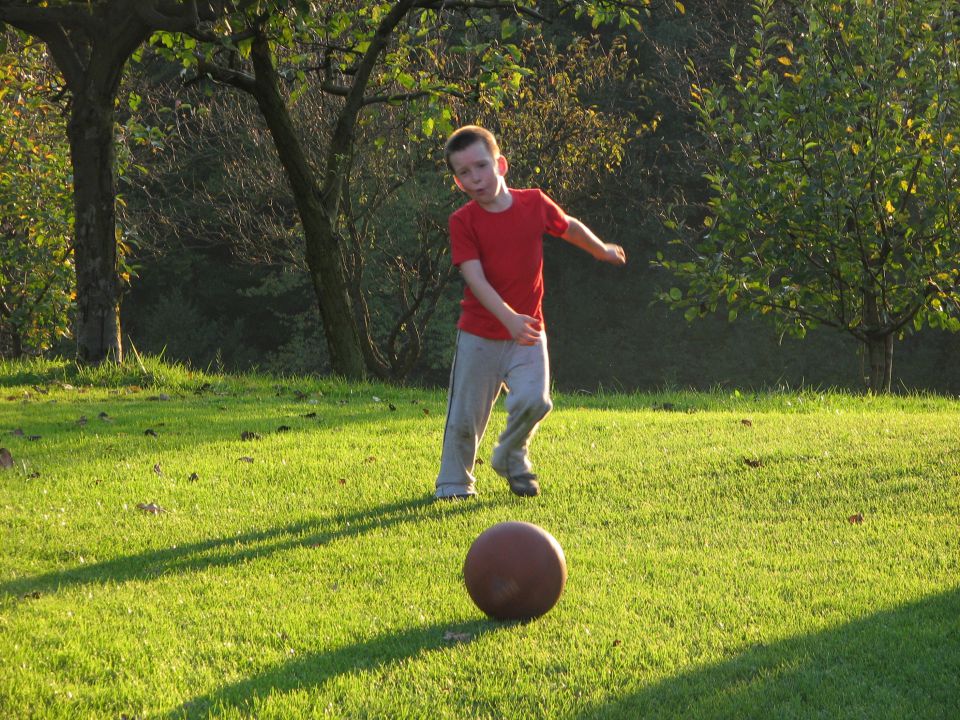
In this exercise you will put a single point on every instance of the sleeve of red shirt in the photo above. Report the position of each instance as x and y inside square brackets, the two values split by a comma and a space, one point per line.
[555, 220]
[463, 242]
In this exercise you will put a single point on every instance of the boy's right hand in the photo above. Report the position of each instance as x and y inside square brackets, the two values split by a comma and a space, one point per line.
[525, 330]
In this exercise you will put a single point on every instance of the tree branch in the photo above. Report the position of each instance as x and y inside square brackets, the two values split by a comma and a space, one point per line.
[480, 5]
[175, 17]
[34, 19]
[237, 79]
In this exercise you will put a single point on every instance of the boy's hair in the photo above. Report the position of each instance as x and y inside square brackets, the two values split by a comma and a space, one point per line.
[464, 137]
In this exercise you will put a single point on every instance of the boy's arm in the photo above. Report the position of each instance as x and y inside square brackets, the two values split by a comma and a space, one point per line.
[580, 235]
[522, 328]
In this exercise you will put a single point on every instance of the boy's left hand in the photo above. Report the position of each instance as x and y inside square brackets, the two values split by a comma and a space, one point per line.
[613, 254]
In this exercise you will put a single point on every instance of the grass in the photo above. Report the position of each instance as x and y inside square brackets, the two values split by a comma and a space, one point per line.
[320, 581]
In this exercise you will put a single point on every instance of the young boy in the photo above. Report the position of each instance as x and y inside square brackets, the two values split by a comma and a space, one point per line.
[497, 242]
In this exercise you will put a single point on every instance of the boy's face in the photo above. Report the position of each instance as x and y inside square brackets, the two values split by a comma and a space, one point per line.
[478, 173]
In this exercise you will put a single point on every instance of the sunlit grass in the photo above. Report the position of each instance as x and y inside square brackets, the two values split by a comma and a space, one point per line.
[714, 570]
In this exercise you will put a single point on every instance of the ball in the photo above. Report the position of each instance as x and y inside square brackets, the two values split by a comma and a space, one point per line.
[515, 571]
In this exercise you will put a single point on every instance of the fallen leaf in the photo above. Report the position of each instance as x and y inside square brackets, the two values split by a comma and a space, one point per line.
[152, 508]
[18, 432]
[157, 469]
[34, 475]
[753, 463]
[283, 428]
[617, 643]
[6, 459]
[151, 432]
[42, 391]
[480, 461]
[856, 519]
[426, 411]
[451, 636]
[163, 397]
[193, 477]
[202, 389]
[67, 386]
[310, 415]
[376, 399]
[35, 595]
[33, 438]
[300, 395]
[746, 423]
[342, 402]
[372, 458]
[82, 420]
[343, 481]
[104, 416]
[245, 459]
[249, 435]
[393, 408]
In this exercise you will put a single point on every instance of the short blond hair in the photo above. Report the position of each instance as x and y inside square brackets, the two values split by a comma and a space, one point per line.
[464, 137]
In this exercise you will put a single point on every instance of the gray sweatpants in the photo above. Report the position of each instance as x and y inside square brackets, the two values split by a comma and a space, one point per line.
[481, 368]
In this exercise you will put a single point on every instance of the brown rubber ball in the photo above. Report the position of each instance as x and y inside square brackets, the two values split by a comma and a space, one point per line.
[515, 571]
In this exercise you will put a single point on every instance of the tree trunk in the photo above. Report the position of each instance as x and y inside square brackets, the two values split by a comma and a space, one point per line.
[880, 354]
[324, 255]
[95, 244]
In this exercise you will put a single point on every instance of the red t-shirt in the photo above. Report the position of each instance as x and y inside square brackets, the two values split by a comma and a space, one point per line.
[509, 246]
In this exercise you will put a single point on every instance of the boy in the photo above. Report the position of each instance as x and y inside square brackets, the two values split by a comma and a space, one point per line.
[496, 240]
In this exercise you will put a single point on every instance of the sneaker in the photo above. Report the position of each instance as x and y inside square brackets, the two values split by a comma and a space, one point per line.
[465, 495]
[524, 485]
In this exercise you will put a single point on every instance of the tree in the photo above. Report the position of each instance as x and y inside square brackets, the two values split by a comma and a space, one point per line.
[36, 263]
[90, 42]
[832, 163]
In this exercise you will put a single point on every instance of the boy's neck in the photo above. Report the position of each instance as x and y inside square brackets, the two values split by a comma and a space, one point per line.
[500, 202]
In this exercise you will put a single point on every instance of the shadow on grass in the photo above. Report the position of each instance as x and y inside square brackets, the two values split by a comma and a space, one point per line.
[900, 663]
[317, 668]
[233, 549]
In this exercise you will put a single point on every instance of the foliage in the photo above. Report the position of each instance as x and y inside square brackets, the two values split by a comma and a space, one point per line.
[833, 168]
[36, 264]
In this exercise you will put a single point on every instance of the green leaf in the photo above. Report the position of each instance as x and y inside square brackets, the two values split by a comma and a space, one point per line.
[675, 294]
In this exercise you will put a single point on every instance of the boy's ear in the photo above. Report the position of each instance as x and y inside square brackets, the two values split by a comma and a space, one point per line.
[502, 165]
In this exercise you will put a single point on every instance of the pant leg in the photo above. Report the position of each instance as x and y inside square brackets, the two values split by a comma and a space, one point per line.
[527, 377]
[475, 382]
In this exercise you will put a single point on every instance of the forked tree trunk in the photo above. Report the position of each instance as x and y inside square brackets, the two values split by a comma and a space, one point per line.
[324, 254]
[879, 343]
[880, 355]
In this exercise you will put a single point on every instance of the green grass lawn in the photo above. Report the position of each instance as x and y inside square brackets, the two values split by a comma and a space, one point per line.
[713, 568]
